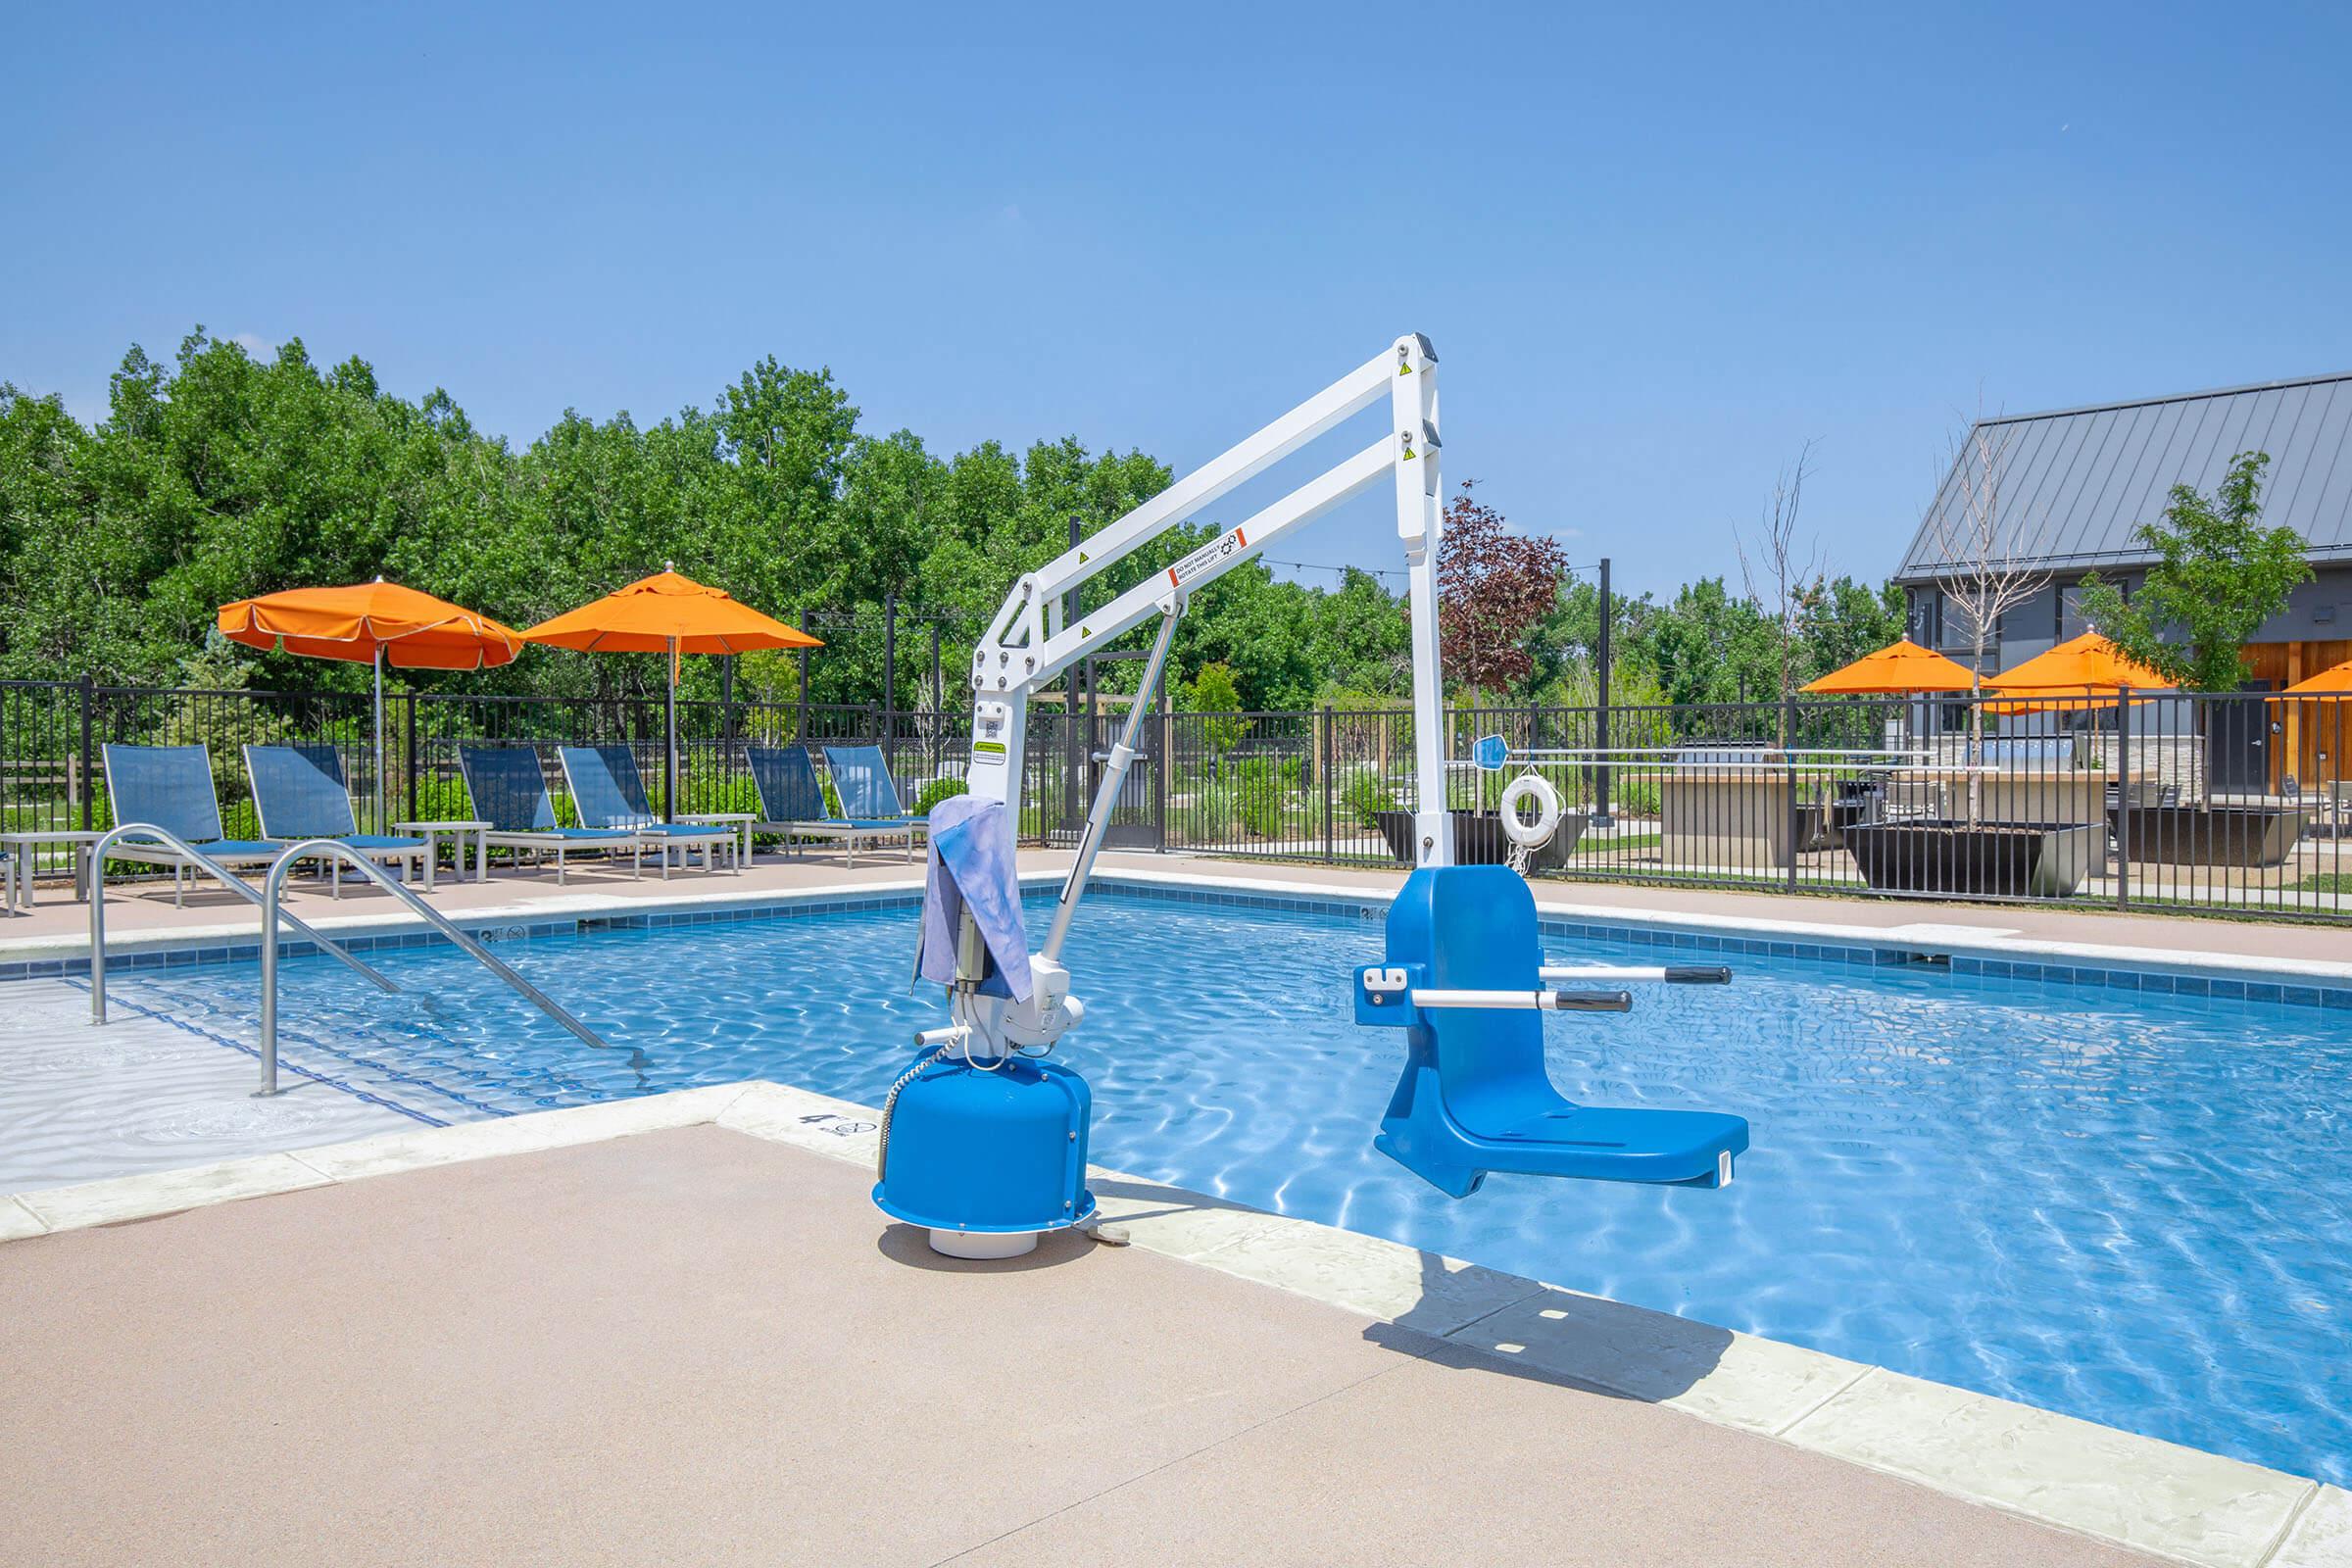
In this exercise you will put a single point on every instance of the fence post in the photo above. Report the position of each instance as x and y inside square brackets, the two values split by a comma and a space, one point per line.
[2123, 798]
[410, 764]
[804, 655]
[89, 754]
[1796, 817]
[1330, 843]
[1166, 730]
[890, 679]
[1601, 711]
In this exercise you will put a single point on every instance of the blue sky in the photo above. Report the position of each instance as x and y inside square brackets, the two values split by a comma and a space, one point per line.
[1657, 252]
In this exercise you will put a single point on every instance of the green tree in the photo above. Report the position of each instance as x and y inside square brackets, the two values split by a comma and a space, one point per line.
[1213, 691]
[1842, 620]
[1709, 645]
[2219, 575]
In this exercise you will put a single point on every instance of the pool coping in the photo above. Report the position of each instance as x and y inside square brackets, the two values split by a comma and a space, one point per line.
[1963, 949]
[2137, 1491]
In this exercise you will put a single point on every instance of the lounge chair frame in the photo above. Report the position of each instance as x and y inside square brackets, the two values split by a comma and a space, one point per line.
[791, 825]
[412, 857]
[227, 853]
[633, 809]
[537, 841]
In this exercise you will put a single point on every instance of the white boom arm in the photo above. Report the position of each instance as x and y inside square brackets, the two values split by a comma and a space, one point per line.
[1027, 645]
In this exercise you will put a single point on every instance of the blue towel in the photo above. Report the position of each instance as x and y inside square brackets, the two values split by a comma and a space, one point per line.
[972, 869]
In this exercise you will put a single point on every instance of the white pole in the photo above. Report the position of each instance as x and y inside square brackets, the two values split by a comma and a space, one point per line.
[1420, 526]
[669, 797]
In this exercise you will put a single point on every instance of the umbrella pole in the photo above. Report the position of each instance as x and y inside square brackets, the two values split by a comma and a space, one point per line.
[379, 738]
[669, 799]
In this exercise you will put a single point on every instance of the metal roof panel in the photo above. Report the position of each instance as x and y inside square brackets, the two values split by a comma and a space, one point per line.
[2075, 484]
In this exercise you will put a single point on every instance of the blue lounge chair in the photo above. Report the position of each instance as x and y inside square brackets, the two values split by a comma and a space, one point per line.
[868, 794]
[508, 790]
[171, 786]
[607, 791]
[792, 803]
[299, 792]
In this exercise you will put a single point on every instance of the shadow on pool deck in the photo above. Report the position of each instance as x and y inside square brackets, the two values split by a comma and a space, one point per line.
[1462, 1315]
[1556, 1331]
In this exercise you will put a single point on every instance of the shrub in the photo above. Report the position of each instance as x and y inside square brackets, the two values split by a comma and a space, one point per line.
[938, 790]
[1214, 691]
[1260, 794]
[1367, 794]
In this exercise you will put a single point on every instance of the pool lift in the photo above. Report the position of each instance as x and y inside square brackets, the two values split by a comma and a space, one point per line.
[984, 1141]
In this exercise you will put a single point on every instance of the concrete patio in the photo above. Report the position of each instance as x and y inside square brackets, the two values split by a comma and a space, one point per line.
[699, 1346]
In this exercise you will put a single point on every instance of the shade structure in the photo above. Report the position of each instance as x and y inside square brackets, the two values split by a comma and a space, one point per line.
[1897, 669]
[369, 623]
[668, 614]
[2076, 673]
[413, 630]
[2333, 681]
[2087, 665]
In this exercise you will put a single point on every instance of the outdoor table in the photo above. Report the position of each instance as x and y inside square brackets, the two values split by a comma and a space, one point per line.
[457, 829]
[745, 820]
[21, 847]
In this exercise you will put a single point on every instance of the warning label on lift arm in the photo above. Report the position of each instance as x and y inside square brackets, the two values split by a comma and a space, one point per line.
[1222, 547]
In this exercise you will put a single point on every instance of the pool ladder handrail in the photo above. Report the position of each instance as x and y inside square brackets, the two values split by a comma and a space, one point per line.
[273, 890]
[148, 832]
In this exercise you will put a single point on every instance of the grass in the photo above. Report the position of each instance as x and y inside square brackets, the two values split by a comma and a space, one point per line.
[2325, 882]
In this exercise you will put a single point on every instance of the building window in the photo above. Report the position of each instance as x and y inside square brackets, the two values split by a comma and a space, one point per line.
[2070, 610]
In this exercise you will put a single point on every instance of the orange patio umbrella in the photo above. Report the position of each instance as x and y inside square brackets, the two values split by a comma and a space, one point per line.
[2077, 672]
[672, 614]
[1895, 670]
[368, 624]
[2333, 681]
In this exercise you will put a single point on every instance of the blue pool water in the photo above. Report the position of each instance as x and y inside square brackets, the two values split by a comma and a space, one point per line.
[2128, 1207]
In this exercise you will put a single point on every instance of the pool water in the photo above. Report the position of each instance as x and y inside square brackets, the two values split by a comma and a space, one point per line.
[2128, 1207]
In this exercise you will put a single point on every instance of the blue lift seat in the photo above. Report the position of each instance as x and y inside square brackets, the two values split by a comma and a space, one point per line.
[1474, 1096]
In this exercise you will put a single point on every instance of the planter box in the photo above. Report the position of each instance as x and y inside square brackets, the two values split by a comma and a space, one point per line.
[2007, 859]
[2217, 835]
[1479, 839]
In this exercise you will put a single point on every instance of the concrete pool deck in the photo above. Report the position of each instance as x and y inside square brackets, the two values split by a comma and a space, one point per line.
[674, 1330]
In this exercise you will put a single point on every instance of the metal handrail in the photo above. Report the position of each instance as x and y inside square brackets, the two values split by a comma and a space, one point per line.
[149, 832]
[273, 887]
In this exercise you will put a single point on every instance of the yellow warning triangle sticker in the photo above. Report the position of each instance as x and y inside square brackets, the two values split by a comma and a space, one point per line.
[1082, 558]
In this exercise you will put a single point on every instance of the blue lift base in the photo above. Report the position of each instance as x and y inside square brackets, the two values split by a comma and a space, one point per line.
[1474, 1096]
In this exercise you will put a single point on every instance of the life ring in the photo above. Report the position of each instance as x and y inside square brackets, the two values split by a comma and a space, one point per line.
[1535, 834]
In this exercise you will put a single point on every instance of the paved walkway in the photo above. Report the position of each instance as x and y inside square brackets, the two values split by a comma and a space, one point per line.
[694, 1346]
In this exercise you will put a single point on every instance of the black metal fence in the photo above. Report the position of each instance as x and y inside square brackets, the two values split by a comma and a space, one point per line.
[2233, 804]
[2218, 804]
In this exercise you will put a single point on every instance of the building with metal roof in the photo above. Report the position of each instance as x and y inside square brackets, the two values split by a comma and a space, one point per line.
[2069, 491]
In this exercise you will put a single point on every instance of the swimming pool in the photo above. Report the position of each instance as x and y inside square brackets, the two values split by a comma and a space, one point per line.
[2128, 1207]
